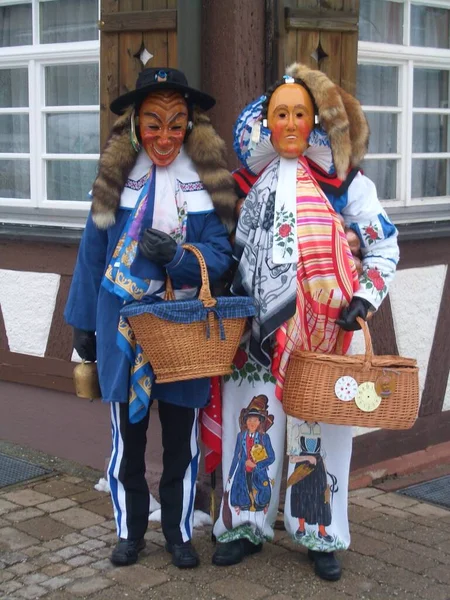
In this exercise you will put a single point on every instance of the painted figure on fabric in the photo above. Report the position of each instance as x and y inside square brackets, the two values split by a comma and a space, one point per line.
[161, 183]
[310, 493]
[251, 487]
[316, 250]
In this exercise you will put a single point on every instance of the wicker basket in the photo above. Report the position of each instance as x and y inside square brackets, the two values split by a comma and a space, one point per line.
[310, 390]
[203, 348]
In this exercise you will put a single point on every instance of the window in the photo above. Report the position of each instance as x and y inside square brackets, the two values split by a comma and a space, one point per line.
[49, 109]
[403, 83]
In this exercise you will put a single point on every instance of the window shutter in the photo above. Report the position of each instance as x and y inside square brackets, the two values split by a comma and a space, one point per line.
[322, 34]
[129, 29]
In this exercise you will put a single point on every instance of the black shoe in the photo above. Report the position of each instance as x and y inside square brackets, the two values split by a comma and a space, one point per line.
[231, 553]
[126, 552]
[326, 565]
[184, 555]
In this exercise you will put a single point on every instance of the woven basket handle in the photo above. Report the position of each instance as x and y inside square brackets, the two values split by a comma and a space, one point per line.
[367, 342]
[205, 292]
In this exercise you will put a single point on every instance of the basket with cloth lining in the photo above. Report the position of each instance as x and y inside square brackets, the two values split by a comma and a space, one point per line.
[190, 339]
[360, 390]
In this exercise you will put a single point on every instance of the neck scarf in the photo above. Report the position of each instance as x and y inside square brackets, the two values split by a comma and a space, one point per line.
[298, 302]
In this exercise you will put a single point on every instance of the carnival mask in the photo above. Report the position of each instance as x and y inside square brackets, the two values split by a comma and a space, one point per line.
[290, 118]
[163, 120]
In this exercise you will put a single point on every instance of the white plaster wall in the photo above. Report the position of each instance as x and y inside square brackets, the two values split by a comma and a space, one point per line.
[415, 297]
[447, 396]
[28, 303]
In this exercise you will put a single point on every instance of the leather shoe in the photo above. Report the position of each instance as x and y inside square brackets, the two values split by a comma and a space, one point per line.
[184, 555]
[326, 565]
[231, 553]
[126, 552]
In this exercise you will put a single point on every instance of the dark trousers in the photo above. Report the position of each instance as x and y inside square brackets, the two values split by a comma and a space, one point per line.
[126, 472]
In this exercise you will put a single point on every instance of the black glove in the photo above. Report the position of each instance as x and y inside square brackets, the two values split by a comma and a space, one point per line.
[358, 307]
[85, 344]
[158, 246]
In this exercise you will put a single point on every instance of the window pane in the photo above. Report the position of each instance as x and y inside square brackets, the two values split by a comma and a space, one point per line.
[69, 133]
[71, 85]
[430, 26]
[15, 179]
[430, 177]
[68, 21]
[384, 175]
[70, 179]
[431, 133]
[381, 21]
[15, 25]
[377, 86]
[430, 88]
[13, 88]
[383, 133]
[14, 133]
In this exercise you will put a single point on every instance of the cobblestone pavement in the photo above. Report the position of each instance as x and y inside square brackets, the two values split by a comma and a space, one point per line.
[56, 534]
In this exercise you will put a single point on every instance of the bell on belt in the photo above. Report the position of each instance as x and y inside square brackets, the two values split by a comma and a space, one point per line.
[85, 378]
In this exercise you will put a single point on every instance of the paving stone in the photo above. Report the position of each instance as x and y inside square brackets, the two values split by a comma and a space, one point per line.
[91, 545]
[11, 539]
[402, 579]
[69, 552]
[138, 577]
[427, 536]
[326, 595]
[174, 590]
[396, 500]
[78, 518]
[407, 560]
[44, 528]
[96, 531]
[392, 512]
[428, 510]
[6, 506]
[44, 560]
[34, 578]
[103, 565]
[74, 538]
[109, 538]
[80, 561]
[101, 506]
[359, 514]
[83, 573]
[59, 489]
[55, 583]
[30, 592]
[27, 497]
[6, 575]
[86, 496]
[71, 479]
[112, 525]
[440, 573]
[54, 570]
[239, 590]
[116, 593]
[388, 524]
[23, 515]
[368, 492]
[356, 585]
[55, 544]
[56, 505]
[33, 551]
[102, 553]
[359, 563]
[10, 587]
[12, 558]
[85, 587]
[365, 502]
[23, 568]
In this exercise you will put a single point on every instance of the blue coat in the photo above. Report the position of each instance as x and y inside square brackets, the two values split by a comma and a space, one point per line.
[240, 495]
[92, 308]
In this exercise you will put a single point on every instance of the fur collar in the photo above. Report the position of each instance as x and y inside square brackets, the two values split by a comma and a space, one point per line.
[203, 145]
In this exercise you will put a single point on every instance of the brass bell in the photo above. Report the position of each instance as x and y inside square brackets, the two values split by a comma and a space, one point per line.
[85, 378]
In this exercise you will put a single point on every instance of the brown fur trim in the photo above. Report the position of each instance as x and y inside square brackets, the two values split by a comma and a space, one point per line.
[340, 115]
[116, 161]
[205, 148]
[208, 152]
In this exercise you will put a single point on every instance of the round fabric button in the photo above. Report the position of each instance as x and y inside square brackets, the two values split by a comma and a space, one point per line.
[346, 388]
[367, 398]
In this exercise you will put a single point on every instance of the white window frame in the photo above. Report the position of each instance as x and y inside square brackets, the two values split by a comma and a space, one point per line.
[37, 210]
[405, 57]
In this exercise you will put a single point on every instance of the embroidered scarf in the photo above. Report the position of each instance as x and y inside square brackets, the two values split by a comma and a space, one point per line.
[297, 302]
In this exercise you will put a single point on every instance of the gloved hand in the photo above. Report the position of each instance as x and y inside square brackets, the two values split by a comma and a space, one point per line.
[358, 307]
[85, 344]
[158, 246]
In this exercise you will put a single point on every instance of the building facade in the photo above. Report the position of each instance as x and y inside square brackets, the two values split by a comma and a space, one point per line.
[61, 63]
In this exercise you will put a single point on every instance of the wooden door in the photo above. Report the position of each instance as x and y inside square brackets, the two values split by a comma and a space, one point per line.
[132, 33]
[322, 34]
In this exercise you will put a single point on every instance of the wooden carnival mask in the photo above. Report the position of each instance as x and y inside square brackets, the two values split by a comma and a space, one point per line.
[163, 122]
[290, 118]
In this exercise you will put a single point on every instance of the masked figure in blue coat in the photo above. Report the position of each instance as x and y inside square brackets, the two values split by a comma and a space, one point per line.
[162, 182]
